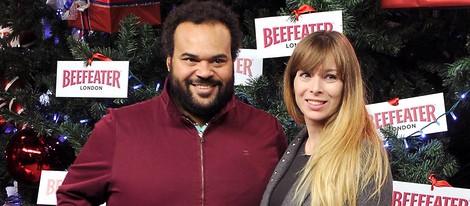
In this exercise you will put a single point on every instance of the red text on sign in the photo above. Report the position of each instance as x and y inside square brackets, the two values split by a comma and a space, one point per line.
[243, 66]
[276, 35]
[104, 77]
[424, 113]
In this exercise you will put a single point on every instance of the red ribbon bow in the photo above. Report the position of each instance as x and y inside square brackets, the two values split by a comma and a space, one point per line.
[394, 101]
[302, 9]
[437, 183]
[99, 56]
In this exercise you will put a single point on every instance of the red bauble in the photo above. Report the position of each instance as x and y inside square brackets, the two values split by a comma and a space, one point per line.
[10, 85]
[14, 107]
[28, 153]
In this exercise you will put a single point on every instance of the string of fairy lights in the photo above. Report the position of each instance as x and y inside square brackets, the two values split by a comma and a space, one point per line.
[450, 112]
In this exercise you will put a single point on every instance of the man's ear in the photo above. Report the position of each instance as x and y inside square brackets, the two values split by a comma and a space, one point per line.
[168, 63]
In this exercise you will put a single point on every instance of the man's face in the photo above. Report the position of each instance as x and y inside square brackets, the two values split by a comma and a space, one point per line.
[201, 69]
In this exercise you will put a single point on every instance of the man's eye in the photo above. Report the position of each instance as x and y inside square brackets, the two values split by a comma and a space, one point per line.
[189, 60]
[219, 61]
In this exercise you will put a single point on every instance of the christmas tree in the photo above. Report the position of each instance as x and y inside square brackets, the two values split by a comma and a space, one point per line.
[404, 52]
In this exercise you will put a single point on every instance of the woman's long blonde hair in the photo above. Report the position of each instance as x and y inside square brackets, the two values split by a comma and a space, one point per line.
[349, 155]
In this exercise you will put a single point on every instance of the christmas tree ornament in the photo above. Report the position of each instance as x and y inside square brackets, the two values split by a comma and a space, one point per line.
[105, 15]
[5, 126]
[5, 32]
[13, 198]
[423, 3]
[10, 85]
[14, 107]
[44, 99]
[302, 10]
[27, 39]
[394, 101]
[71, 9]
[2, 103]
[28, 153]
[24, 39]
[437, 183]
[56, 4]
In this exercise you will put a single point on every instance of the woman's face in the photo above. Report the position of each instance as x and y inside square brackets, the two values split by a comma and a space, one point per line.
[318, 94]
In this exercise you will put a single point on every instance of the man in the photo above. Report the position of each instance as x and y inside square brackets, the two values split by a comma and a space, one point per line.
[195, 144]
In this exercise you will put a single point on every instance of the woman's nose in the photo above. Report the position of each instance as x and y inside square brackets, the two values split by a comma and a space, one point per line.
[316, 87]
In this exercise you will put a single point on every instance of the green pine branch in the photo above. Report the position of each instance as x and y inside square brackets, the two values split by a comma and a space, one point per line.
[413, 159]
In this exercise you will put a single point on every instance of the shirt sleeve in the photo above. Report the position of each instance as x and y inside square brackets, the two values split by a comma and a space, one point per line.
[88, 178]
[282, 140]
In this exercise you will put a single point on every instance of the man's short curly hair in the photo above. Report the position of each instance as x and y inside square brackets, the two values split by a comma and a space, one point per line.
[199, 12]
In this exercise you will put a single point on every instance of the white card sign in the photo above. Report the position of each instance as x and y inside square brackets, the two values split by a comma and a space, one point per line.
[278, 36]
[411, 115]
[103, 79]
[412, 194]
[48, 185]
[247, 66]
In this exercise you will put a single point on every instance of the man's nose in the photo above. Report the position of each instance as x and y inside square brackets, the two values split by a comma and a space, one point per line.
[204, 70]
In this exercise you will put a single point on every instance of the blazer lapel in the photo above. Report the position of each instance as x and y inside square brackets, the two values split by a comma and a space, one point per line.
[283, 165]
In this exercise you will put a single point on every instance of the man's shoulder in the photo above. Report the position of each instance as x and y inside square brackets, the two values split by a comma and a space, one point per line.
[142, 106]
[248, 109]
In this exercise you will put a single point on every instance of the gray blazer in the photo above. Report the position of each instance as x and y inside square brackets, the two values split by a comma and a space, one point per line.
[286, 161]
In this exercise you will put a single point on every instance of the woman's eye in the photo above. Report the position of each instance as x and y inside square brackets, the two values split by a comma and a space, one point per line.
[304, 74]
[331, 76]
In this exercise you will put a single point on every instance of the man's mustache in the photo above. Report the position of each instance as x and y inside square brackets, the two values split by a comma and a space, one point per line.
[209, 81]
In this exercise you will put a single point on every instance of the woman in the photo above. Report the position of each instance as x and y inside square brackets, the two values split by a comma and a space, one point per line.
[338, 158]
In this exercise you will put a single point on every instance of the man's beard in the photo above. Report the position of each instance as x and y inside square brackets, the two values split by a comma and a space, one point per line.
[184, 98]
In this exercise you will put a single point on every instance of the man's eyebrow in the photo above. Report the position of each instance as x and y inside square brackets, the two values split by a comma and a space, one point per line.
[189, 55]
[218, 56]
